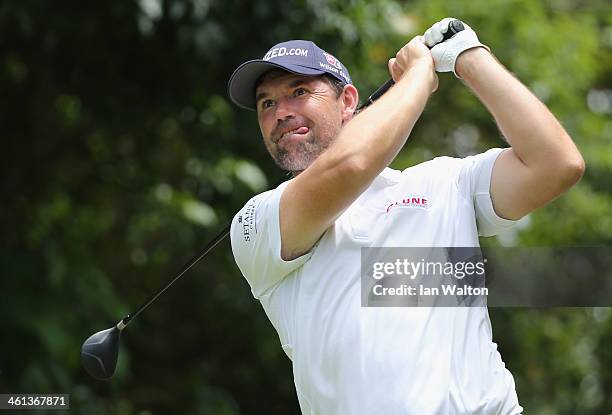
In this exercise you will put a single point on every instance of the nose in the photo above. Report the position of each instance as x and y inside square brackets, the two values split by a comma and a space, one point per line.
[284, 109]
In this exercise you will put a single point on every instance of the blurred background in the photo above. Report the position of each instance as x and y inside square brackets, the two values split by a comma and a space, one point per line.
[122, 156]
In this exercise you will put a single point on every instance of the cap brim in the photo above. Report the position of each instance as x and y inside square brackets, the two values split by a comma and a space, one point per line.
[241, 86]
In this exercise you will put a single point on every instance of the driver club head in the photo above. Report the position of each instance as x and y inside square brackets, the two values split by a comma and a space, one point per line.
[99, 353]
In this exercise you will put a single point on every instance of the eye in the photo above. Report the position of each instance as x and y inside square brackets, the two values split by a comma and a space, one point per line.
[267, 103]
[299, 91]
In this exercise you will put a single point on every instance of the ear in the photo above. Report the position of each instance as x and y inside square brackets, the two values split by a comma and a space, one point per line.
[350, 100]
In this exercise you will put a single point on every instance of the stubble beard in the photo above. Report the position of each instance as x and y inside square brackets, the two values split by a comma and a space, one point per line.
[304, 153]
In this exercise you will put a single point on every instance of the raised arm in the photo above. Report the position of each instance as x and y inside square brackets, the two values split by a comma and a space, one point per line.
[543, 161]
[364, 147]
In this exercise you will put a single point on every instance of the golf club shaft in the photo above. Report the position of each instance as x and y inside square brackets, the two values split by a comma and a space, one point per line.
[126, 320]
[454, 27]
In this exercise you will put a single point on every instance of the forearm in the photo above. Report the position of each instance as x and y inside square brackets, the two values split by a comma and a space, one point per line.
[535, 135]
[363, 148]
[372, 139]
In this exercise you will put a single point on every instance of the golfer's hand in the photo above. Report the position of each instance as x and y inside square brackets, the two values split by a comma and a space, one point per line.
[445, 53]
[414, 55]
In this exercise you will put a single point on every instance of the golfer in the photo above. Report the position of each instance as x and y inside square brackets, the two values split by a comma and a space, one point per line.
[299, 244]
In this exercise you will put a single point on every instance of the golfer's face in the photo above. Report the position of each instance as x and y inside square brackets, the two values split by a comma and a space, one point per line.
[299, 116]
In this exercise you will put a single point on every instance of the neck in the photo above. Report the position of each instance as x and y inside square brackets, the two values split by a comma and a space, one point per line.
[292, 174]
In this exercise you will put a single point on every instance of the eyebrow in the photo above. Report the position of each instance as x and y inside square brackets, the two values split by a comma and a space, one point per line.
[292, 84]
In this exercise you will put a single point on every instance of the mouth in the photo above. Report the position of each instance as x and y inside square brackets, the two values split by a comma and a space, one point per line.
[294, 134]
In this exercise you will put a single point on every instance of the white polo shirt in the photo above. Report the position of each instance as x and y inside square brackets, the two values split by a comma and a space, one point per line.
[353, 360]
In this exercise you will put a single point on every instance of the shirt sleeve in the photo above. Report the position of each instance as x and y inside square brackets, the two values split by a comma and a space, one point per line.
[475, 182]
[256, 243]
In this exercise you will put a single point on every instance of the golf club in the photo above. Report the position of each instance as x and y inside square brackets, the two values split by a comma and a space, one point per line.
[99, 353]
[454, 27]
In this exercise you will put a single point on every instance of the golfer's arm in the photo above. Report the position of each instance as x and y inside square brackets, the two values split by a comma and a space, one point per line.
[365, 146]
[543, 161]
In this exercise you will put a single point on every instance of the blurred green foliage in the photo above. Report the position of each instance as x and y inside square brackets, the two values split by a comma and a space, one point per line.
[123, 156]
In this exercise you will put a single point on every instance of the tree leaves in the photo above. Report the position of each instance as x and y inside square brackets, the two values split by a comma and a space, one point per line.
[123, 156]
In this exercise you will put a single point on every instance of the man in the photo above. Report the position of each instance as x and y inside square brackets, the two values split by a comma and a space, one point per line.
[299, 245]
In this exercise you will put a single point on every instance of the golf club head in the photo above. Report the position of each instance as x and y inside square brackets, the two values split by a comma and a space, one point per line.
[99, 353]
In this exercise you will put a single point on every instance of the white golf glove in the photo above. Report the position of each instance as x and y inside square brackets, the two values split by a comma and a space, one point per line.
[445, 54]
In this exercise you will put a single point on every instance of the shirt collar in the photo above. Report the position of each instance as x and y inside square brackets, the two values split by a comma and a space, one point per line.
[389, 175]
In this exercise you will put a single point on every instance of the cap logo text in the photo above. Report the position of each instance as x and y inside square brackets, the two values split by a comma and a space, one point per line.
[332, 60]
[283, 51]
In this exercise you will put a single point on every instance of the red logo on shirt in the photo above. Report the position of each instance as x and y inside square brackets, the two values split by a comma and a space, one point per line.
[410, 202]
